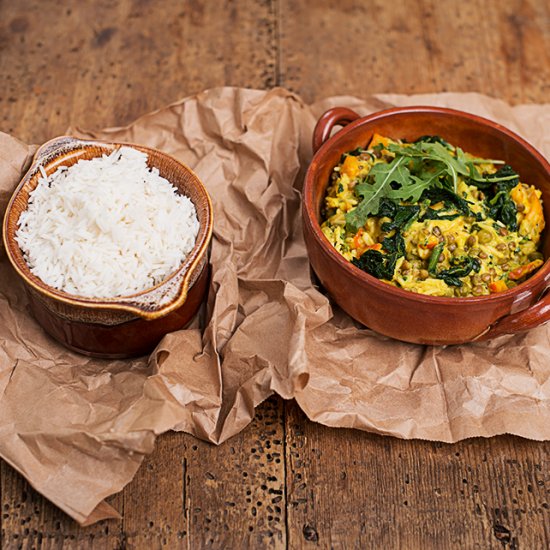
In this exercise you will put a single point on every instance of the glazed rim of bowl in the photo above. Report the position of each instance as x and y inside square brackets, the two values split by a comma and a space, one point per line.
[58, 152]
[540, 279]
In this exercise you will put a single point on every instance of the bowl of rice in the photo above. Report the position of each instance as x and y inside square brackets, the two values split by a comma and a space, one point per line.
[427, 224]
[111, 242]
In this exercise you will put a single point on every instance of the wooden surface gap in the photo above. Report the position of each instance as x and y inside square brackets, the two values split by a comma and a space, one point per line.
[278, 52]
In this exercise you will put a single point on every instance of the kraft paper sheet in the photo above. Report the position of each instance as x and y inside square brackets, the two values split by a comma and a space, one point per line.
[78, 428]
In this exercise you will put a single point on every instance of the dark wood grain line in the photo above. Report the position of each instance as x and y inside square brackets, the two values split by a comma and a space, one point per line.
[31, 521]
[348, 489]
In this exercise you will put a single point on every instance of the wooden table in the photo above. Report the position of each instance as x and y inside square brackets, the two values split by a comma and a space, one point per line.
[284, 481]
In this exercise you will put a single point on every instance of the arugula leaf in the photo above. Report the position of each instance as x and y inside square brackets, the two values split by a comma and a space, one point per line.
[434, 139]
[391, 180]
[425, 169]
[435, 152]
[426, 179]
[504, 174]
[384, 174]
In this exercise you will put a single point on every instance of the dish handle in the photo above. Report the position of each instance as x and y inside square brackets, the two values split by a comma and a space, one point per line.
[529, 318]
[337, 116]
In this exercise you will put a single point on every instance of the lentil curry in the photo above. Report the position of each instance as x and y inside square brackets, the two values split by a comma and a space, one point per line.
[429, 218]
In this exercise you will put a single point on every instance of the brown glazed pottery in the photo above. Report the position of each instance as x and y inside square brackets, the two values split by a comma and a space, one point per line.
[396, 312]
[124, 326]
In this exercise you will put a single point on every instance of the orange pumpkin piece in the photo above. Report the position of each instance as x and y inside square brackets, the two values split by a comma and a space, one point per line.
[377, 139]
[530, 214]
[497, 286]
[350, 166]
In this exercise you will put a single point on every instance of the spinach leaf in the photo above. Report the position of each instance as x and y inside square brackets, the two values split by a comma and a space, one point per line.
[381, 266]
[402, 215]
[451, 201]
[499, 203]
[504, 209]
[434, 258]
[457, 270]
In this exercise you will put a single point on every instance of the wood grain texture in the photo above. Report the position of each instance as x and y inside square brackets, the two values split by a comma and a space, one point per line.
[192, 494]
[31, 521]
[104, 63]
[348, 489]
[283, 481]
[187, 494]
[353, 47]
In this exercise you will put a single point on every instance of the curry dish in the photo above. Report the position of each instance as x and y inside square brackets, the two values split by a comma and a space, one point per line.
[429, 218]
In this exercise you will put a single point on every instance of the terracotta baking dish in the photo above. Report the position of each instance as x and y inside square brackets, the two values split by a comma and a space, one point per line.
[390, 310]
[117, 327]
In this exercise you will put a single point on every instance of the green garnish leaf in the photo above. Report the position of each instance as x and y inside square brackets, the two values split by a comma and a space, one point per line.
[382, 265]
[439, 155]
[427, 169]
[383, 176]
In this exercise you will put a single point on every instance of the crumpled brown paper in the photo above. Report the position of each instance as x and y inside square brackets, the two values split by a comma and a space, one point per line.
[266, 328]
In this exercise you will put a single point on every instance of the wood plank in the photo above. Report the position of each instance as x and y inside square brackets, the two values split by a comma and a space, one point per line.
[31, 521]
[235, 492]
[348, 489]
[499, 47]
[188, 493]
[192, 494]
[104, 63]
[154, 500]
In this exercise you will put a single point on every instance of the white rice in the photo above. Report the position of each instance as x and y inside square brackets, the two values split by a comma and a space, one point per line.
[106, 227]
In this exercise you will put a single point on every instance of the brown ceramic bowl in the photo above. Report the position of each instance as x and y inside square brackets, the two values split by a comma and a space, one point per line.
[399, 313]
[115, 327]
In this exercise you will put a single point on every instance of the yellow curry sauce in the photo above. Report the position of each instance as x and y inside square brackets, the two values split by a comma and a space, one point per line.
[432, 219]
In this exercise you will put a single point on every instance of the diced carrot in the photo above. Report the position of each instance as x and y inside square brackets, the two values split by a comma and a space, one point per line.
[523, 270]
[358, 239]
[432, 242]
[498, 286]
[363, 249]
[350, 166]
